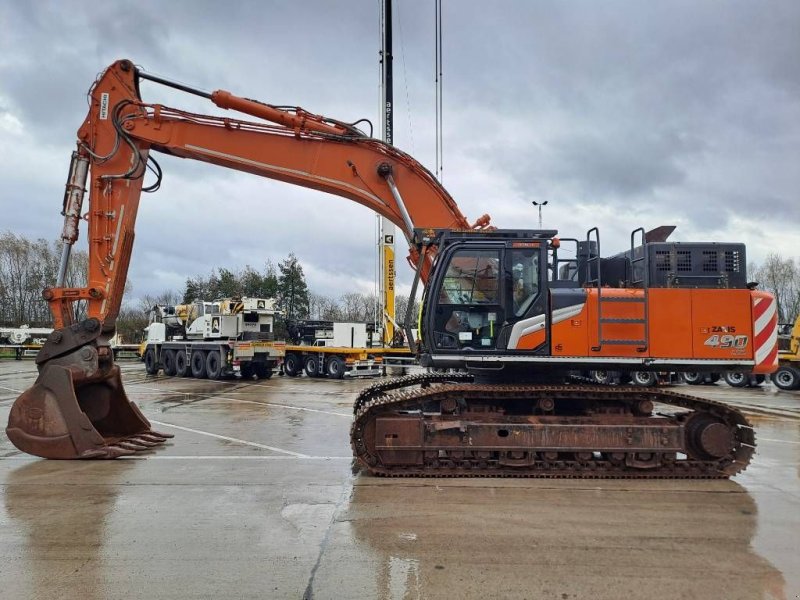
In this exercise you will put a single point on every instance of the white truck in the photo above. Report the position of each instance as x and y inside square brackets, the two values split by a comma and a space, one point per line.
[213, 339]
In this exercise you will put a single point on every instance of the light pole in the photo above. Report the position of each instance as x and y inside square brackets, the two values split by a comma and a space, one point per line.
[539, 205]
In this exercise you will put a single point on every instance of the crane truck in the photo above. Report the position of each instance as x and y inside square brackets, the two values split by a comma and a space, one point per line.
[213, 339]
[502, 324]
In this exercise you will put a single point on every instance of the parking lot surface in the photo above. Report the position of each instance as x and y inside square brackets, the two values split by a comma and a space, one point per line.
[257, 497]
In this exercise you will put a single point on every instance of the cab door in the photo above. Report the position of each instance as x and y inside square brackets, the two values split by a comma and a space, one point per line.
[467, 301]
[527, 324]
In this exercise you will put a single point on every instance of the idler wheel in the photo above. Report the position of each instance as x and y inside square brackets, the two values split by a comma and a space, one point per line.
[710, 438]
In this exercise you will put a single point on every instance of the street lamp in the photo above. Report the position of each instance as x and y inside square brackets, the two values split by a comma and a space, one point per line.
[539, 205]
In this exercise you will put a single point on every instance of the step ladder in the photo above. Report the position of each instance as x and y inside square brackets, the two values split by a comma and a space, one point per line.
[604, 300]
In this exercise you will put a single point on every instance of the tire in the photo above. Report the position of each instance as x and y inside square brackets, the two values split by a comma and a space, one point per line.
[168, 358]
[198, 364]
[737, 380]
[213, 365]
[787, 377]
[182, 364]
[150, 362]
[247, 371]
[644, 378]
[292, 365]
[760, 379]
[603, 377]
[311, 366]
[693, 378]
[263, 371]
[714, 378]
[336, 367]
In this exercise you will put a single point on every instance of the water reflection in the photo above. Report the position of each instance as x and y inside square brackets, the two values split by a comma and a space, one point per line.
[59, 528]
[560, 540]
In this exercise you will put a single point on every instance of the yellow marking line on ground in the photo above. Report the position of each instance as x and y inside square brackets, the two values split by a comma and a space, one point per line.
[231, 439]
[286, 406]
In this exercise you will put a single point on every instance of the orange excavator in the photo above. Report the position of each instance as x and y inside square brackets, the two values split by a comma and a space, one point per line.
[507, 322]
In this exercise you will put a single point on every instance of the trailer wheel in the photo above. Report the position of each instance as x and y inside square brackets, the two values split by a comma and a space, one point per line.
[693, 377]
[787, 377]
[758, 380]
[644, 378]
[213, 365]
[168, 358]
[263, 370]
[150, 362]
[737, 380]
[182, 364]
[603, 377]
[198, 364]
[312, 366]
[336, 367]
[246, 371]
[292, 365]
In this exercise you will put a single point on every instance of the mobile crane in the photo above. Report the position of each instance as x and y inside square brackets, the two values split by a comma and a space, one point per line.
[501, 306]
[213, 339]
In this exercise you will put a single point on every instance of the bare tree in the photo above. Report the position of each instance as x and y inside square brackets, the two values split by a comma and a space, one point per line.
[781, 277]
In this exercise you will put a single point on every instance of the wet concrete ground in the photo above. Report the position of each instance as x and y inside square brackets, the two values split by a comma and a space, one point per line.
[256, 498]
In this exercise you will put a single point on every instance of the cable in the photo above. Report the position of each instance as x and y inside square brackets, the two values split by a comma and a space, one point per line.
[438, 80]
[405, 81]
[155, 168]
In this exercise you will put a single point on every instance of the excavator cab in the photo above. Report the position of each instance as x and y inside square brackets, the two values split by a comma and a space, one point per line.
[487, 288]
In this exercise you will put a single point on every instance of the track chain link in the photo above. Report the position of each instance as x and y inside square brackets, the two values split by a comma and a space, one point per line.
[389, 397]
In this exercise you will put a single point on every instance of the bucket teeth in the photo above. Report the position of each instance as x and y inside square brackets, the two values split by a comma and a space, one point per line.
[115, 451]
[131, 445]
[150, 436]
[143, 441]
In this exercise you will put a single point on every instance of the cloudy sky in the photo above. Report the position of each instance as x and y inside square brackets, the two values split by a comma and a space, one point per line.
[619, 113]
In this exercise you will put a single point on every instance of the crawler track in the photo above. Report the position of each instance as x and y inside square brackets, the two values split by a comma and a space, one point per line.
[440, 425]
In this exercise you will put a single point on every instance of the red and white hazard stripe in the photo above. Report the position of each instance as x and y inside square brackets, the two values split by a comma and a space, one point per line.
[765, 332]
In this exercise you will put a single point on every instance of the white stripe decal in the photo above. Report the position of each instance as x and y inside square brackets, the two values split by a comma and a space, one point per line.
[763, 351]
[537, 323]
[764, 319]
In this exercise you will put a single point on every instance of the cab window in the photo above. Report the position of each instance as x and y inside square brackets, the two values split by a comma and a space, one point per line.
[473, 277]
[525, 278]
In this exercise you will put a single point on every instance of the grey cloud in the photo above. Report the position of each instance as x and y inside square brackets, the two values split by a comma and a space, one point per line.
[656, 111]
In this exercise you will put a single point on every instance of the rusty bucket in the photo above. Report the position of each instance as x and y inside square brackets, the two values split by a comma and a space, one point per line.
[77, 408]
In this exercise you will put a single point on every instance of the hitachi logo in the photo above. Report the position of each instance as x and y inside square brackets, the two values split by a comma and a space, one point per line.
[103, 106]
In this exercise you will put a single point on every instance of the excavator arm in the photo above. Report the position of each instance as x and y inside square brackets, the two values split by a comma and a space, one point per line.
[120, 132]
[77, 408]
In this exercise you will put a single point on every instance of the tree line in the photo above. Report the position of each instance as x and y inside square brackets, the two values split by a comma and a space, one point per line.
[29, 266]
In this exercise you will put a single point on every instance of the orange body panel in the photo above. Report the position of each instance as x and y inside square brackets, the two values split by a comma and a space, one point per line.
[670, 314]
[724, 313]
[570, 337]
[531, 340]
[681, 323]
